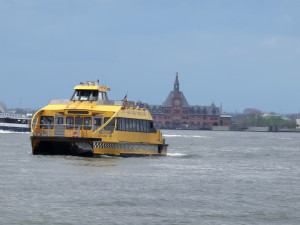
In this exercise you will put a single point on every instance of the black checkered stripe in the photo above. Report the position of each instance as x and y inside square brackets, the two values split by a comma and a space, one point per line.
[124, 146]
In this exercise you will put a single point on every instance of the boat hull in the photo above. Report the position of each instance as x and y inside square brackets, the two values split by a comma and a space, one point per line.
[127, 149]
[15, 129]
[93, 147]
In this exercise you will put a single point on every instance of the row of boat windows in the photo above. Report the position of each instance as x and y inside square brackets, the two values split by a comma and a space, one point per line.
[135, 125]
[88, 95]
[85, 123]
[9, 120]
[71, 122]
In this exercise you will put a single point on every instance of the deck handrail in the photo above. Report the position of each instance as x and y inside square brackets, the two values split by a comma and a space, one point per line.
[79, 128]
[104, 125]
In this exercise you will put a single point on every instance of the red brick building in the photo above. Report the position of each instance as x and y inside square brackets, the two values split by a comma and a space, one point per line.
[176, 113]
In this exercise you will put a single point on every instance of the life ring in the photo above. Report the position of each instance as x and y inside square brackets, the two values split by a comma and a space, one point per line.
[75, 133]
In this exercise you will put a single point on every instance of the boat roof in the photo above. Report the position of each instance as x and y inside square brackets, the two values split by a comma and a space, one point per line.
[92, 87]
[135, 113]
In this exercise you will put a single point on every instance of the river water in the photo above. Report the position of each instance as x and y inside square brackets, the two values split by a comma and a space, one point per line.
[207, 178]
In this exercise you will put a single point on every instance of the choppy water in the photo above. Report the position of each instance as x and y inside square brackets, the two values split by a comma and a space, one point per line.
[207, 178]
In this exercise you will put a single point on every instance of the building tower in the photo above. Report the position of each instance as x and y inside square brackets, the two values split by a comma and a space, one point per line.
[176, 84]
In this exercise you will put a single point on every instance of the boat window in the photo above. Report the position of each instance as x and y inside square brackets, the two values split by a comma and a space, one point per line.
[76, 96]
[70, 123]
[78, 123]
[144, 126]
[97, 121]
[151, 127]
[59, 120]
[93, 96]
[87, 123]
[130, 124]
[105, 96]
[111, 125]
[85, 95]
[138, 125]
[129, 128]
[126, 124]
[47, 122]
[141, 126]
[100, 96]
[120, 124]
[123, 124]
[133, 125]
[147, 126]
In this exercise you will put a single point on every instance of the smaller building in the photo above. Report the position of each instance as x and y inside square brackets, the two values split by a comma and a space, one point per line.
[225, 120]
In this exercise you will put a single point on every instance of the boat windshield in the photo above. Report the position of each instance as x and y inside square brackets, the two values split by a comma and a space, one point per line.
[85, 95]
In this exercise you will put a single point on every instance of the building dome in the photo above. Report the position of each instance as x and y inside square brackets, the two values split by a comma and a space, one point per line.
[3, 107]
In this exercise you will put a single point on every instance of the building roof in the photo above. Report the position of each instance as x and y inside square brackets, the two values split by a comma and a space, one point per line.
[169, 103]
[155, 109]
[205, 110]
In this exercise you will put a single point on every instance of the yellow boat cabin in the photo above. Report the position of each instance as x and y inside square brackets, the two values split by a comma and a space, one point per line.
[89, 124]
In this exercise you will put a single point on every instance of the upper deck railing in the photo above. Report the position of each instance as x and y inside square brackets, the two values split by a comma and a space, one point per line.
[59, 101]
[61, 130]
[99, 102]
[116, 102]
[11, 115]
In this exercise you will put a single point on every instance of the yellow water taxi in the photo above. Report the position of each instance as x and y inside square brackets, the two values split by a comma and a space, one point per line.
[89, 124]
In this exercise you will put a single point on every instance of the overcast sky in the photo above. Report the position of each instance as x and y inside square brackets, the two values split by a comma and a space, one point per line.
[239, 53]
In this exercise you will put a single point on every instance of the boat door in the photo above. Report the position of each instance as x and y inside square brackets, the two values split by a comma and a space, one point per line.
[87, 127]
[59, 126]
[97, 122]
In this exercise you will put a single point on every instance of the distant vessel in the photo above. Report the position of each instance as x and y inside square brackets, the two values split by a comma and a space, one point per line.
[15, 122]
[90, 124]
